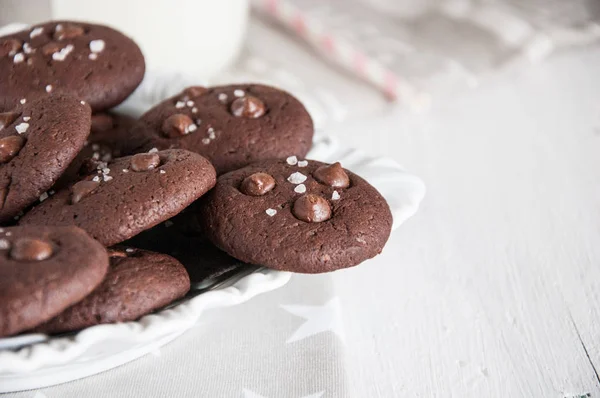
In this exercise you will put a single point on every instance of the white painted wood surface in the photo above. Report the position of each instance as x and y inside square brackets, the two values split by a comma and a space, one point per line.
[493, 289]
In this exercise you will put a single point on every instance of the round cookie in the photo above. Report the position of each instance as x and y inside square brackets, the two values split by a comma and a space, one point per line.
[38, 141]
[137, 283]
[44, 270]
[92, 62]
[199, 256]
[231, 126]
[129, 195]
[301, 216]
[108, 139]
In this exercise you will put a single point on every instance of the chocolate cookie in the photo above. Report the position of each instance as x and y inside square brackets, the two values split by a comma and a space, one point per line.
[38, 141]
[108, 140]
[44, 270]
[301, 216]
[137, 283]
[92, 62]
[128, 195]
[231, 126]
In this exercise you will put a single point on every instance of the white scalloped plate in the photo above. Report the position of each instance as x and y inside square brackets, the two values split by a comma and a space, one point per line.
[43, 361]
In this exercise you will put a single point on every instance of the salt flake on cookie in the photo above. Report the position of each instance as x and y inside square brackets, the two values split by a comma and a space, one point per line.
[300, 188]
[297, 178]
[97, 46]
[36, 32]
[271, 212]
[22, 128]
[292, 160]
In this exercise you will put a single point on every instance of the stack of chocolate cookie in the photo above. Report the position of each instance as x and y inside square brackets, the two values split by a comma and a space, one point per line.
[105, 218]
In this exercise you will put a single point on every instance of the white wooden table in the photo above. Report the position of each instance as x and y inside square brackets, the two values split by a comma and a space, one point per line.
[493, 289]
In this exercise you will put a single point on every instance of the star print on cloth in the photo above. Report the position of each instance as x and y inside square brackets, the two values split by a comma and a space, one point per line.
[251, 394]
[319, 318]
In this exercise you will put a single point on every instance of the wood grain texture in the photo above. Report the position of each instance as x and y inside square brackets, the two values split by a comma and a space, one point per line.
[493, 289]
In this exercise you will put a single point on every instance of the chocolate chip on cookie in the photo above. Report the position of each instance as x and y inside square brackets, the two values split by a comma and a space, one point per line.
[315, 218]
[177, 125]
[68, 31]
[332, 175]
[231, 126]
[248, 106]
[38, 140]
[257, 184]
[82, 189]
[128, 195]
[44, 270]
[312, 208]
[10, 147]
[157, 280]
[7, 118]
[194, 91]
[28, 249]
[145, 161]
[91, 62]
